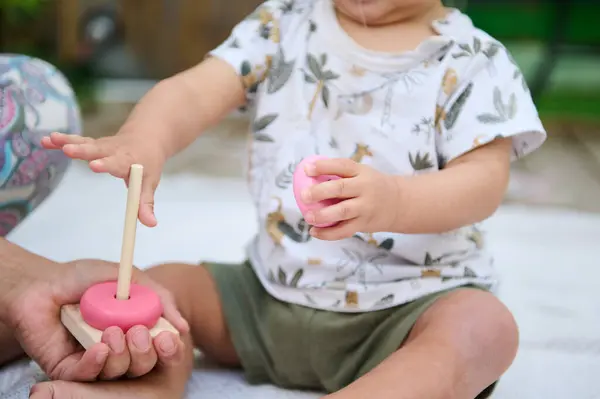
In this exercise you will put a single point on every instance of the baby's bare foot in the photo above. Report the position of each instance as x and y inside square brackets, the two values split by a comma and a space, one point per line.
[98, 390]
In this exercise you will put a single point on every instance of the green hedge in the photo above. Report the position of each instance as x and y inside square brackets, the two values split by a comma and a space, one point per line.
[511, 20]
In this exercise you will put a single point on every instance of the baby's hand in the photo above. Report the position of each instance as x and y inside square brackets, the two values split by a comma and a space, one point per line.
[369, 199]
[115, 155]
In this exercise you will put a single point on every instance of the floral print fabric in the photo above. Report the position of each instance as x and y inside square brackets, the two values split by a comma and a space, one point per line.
[35, 100]
[313, 90]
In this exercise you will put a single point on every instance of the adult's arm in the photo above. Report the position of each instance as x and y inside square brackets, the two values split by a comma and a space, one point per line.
[18, 267]
[14, 264]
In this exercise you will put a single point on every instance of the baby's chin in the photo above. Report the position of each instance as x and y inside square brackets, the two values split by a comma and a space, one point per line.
[381, 12]
[369, 11]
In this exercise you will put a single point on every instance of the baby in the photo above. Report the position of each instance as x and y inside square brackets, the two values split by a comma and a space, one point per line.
[420, 114]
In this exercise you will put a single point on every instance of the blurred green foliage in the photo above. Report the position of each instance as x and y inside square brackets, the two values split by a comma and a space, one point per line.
[17, 12]
[14, 11]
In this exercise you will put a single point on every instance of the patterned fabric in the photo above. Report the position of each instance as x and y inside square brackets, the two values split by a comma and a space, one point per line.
[35, 100]
[315, 91]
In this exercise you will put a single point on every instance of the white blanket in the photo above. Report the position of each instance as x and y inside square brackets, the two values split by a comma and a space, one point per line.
[548, 259]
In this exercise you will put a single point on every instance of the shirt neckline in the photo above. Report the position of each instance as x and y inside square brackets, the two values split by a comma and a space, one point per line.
[449, 29]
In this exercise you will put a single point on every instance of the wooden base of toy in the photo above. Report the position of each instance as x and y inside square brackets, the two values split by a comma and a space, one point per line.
[87, 336]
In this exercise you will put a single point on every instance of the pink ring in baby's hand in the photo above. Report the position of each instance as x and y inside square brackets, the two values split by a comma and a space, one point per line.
[301, 182]
[101, 309]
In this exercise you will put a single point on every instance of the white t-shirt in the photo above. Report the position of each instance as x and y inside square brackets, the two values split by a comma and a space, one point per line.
[313, 90]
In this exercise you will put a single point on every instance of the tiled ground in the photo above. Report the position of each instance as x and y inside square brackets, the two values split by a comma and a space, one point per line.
[565, 172]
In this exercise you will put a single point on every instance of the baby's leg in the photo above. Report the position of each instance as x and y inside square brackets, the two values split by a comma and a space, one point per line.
[462, 344]
[199, 302]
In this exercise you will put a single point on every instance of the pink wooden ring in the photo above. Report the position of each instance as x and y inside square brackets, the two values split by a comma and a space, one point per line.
[101, 309]
[301, 181]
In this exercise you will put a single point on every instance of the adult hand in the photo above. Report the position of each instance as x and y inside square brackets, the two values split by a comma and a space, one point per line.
[34, 315]
[369, 199]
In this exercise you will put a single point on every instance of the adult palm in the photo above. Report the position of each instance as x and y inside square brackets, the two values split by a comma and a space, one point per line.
[34, 314]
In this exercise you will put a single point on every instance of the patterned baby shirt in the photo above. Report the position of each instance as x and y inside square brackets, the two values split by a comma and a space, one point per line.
[313, 90]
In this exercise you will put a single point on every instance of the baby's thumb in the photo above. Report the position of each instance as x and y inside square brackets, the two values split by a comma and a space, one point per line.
[146, 213]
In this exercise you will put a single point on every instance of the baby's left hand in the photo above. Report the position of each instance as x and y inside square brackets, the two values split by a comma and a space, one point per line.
[369, 199]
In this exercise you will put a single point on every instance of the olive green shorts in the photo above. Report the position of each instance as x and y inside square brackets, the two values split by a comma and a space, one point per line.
[296, 347]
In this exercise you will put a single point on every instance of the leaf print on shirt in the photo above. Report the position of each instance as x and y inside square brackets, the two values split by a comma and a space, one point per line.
[351, 299]
[466, 50]
[430, 261]
[470, 273]
[280, 72]
[261, 124]
[386, 300]
[504, 111]
[269, 25]
[386, 244]
[317, 74]
[286, 176]
[420, 162]
[442, 160]
[355, 265]
[450, 81]
[278, 228]
[429, 273]
[449, 118]
[252, 76]
[282, 278]
[354, 104]
[360, 152]
[357, 71]
[490, 51]
[425, 126]
[476, 236]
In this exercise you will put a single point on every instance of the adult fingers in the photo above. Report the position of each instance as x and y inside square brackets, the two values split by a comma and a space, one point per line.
[141, 349]
[170, 308]
[119, 359]
[170, 349]
[73, 279]
[83, 366]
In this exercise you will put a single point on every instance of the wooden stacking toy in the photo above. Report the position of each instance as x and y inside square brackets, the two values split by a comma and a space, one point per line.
[118, 303]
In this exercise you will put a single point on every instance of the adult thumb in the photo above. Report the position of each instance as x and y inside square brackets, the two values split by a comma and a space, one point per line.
[80, 275]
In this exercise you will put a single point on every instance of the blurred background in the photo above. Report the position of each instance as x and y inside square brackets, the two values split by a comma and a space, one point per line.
[113, 51]
[547, 232]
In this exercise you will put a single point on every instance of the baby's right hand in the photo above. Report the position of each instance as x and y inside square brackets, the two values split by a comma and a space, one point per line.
[115, 155]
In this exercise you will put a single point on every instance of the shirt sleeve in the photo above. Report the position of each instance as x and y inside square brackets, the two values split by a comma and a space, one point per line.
[491, 101]
[252, 45]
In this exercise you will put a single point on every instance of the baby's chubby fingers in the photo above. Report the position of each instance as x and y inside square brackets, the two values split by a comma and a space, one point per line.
[344, 210]
[340, 231]
[56, 141]
[146, 212]
[342, 167]
[114, 165]
[338, 188]
[85, 152]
